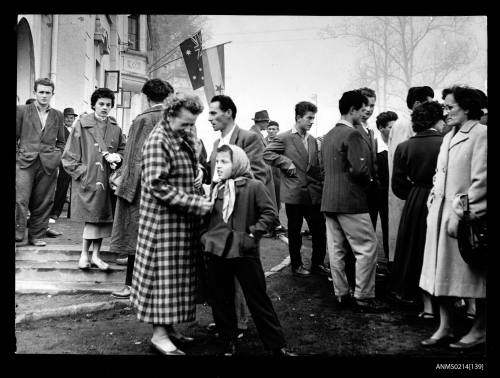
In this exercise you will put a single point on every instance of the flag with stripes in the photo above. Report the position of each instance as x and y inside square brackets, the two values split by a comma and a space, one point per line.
[191, 49]
[213, 69]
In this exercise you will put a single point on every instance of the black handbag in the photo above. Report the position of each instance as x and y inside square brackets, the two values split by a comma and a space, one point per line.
[472, 238]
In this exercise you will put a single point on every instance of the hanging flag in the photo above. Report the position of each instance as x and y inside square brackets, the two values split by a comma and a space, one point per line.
[213, 67]
[191, 51]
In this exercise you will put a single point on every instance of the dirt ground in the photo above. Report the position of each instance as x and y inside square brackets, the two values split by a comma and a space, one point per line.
[312, 323]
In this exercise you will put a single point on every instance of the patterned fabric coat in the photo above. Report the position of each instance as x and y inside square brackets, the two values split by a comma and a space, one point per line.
[164, 276]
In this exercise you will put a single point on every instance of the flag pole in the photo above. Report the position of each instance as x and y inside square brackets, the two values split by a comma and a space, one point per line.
[163, 65]
[169, 53]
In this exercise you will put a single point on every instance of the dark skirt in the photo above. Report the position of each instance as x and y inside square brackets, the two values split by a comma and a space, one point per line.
[125, 226]
[410, 243]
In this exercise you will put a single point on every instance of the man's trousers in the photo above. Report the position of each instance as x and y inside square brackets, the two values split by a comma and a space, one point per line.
[357, 231]
[63, 181]
[34, 192]
[316, 222]
[248, 271]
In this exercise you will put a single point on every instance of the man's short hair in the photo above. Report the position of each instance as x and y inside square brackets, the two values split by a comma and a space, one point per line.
[352, 99]
[225, 103]
[426, 115]
[467, 98]
[157, 90]
[182, 100]
[44, 81]
[30, 101]
[303, 107]
[367, 92]
[384, 118]
[418, 94]
[102, 93]
[274, 123]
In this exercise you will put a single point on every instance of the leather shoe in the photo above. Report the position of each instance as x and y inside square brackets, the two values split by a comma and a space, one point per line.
[283, 352]
[320, 269]
[175, 352]
[122, 261]
[52, 233]
[432, 342]
[370, 305]
[180, 338]
[37, 243]
[123, 293]
[301, 272]
[230, 349]
[462, 345]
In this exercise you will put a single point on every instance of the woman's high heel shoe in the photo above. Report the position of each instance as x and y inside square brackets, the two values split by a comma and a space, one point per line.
[100, 264]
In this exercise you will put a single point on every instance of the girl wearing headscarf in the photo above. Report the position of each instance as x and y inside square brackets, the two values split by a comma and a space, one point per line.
[242, 212]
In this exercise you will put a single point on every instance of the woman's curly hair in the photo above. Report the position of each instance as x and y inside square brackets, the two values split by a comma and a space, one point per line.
[426, 115]
[179, 100]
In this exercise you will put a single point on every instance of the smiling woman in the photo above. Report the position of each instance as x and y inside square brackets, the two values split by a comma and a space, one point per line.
[164, 275]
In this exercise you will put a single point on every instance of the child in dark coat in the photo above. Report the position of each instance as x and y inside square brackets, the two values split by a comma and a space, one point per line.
[242, 212]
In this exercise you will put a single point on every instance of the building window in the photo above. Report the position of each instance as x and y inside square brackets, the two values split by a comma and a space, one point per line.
[97, 79]
[133, 32]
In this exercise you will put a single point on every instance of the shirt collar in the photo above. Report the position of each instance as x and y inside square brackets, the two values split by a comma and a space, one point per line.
[345, 122]
[40, 110]
[228, 136]
[100, 118]
[295, 131]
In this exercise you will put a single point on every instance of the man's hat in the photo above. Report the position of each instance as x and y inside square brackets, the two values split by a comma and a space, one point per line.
[261, 116]
[70, 111]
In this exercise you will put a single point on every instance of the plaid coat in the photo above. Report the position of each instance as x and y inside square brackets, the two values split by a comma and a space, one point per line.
[164, 275]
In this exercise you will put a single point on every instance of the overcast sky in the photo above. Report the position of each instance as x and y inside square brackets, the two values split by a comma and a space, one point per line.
[273, 62]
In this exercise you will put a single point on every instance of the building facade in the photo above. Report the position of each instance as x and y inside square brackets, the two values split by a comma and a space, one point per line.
[76, 51]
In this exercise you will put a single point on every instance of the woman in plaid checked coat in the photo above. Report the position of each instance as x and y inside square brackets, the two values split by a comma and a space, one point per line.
[164, 275]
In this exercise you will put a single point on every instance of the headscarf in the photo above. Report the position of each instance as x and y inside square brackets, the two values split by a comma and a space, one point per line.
[241, 170]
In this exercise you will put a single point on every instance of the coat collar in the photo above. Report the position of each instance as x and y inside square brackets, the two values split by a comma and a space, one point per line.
[89, 120]
[153, 109]
[426, 133]
[462, 134]
[235, 135]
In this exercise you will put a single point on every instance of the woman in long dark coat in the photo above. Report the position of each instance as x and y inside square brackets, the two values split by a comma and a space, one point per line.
[95, 146]
[164, 276]
[414, 166]
[126, 222]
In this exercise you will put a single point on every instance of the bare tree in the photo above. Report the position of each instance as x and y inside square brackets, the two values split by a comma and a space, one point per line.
[166, 32]
[401, 51]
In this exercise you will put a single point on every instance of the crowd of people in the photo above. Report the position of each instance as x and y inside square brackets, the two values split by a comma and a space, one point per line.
[185, 244]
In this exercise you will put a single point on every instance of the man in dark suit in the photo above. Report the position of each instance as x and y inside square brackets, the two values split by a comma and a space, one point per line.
[345, 204]
[63, 178]
[261, 120]
[296, 153]
[369, 138]
[273, 128]
[39, 145]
